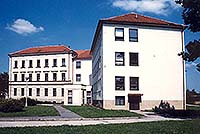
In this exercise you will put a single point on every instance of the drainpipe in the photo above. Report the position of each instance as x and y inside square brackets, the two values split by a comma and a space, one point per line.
[184, 83]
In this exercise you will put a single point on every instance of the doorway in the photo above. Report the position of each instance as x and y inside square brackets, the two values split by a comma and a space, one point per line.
[134, 101]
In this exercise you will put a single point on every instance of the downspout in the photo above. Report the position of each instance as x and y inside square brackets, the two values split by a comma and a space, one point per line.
[184, 83]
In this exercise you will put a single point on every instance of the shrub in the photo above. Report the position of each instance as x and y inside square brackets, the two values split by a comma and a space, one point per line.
[163, 108]
[31, 102]
[11, 105]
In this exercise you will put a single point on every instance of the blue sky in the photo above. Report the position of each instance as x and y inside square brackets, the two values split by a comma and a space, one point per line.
[29, 23]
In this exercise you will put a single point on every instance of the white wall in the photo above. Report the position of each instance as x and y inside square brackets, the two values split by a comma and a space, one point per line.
[160, 69]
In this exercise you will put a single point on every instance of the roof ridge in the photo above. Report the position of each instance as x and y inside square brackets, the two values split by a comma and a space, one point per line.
[117, 16]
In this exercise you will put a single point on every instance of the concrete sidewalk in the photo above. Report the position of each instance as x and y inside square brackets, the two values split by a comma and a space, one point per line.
[64, 113]
[80, 121]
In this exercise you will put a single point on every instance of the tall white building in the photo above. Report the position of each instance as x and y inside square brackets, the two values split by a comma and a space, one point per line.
[51, 73]
[136, 64]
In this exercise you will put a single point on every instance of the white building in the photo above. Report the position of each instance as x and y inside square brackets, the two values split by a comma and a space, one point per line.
[55, 73]
[136, 64]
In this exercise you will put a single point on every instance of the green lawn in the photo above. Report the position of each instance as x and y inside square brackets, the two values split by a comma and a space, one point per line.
[33, 111]
[162, 127]
[193, 108]
[92, 112]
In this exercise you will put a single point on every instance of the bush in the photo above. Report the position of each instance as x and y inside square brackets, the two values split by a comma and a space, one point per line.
[164, 108]
[11, 105]
[31, 102]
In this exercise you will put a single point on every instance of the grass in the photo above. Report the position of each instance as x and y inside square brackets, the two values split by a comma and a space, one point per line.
[33, 111]
[162, 127]
[92, 112]
[193, 108]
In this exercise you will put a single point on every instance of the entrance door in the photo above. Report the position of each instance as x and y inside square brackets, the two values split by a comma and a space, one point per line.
[134, 106]
[134, 101]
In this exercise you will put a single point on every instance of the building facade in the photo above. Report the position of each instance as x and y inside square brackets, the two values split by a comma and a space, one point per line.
[136, 64]
[51, 73]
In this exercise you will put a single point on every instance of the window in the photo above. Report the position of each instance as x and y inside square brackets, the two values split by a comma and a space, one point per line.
[69, 92]
[63, 62]
[30, 77]
[133, 35]
[38, 92]
[46, 63]
[119, 34]
[38, 64]
[46, 92]
[88, 93]
[133, 59]
[15, 77]
[62, 92]
[23, 77]
[119, 83]
[38, 77]
[63, 76]
[54, 91]
[16, 64]
[22, 91]
[119, 100]
[30, 63]
[15, 91]
[69, 100]
[78, 64]
[78, 77]
[23, 64]
[134, 83]
[54, 62]
[54, 77]
[119, 58]
[46, 77]
[30, 91]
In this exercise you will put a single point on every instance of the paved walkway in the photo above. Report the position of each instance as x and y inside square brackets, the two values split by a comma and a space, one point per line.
[81, 121]
[64, 113]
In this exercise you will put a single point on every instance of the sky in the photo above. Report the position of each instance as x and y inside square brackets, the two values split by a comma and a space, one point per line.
[30, 23]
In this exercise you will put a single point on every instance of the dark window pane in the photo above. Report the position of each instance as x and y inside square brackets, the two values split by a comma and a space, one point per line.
[46, 92]
[133, 35]
[78, 77]
[119, 100]
[134, 83]
[133, 59]
[119, 58]
[119, 83]
[54, 91]
[119, 34]
[78, 64]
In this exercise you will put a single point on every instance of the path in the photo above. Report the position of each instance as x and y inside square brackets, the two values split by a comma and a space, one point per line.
[64, 113]
[80, 121]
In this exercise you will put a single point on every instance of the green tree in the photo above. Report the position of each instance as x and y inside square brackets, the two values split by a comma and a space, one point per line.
[191, 17]
[3, 84]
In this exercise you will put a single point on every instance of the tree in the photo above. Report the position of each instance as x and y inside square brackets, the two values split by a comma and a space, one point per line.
[191, 17]
[3, 84]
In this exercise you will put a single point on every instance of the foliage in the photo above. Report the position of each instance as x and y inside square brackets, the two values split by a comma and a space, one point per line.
[191, 17]
[163, 108]
[3, 84]
[11, 105]
[192, 96]
[38, 110]
[30, 102]
[161, 127]
[93, 112]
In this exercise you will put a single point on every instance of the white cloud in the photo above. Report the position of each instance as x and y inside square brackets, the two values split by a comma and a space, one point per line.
[24, 27]
[190, 65]
[161, 7]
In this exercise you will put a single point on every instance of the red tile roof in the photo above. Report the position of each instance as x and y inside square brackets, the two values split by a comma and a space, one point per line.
[142, 20]
[83, 54]
[42, 50]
